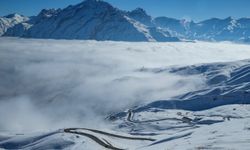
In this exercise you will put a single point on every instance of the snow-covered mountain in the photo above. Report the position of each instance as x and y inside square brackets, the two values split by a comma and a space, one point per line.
[10, 21]
[91, 19]
[214, 29]
[228, 29]
[98, 20]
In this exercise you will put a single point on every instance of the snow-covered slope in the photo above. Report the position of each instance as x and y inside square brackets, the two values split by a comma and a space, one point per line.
[9, 21]
[146, 95]
[205, 119]
[227, 83]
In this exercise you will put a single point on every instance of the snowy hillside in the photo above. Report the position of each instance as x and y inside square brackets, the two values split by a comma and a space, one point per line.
[73, 94]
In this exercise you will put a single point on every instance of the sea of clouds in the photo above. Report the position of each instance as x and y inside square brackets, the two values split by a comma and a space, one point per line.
[51, 84]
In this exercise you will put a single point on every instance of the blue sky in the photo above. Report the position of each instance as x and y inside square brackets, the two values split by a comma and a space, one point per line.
[188, 9]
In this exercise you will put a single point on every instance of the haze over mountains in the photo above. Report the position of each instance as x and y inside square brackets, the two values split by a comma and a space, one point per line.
[98, 20]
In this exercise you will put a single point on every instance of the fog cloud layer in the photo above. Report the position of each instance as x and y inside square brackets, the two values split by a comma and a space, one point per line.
[49, 84]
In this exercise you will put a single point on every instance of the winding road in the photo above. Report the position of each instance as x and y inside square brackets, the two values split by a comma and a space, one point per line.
[131, 114]
[102, 141]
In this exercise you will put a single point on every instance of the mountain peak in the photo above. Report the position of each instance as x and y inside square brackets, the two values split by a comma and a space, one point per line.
[92, 2]
[14, 15]
[138, 12]
[229, 18]
[47, 13]
[141, 15]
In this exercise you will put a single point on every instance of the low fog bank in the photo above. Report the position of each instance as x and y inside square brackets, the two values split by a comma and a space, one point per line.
[50, 84]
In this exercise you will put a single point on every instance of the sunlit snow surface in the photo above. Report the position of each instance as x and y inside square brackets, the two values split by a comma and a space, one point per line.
[182, 95]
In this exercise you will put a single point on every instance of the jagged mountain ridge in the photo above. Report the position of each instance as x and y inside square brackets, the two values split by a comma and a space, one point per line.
[215, 29]
[98, 20]
[91, 19]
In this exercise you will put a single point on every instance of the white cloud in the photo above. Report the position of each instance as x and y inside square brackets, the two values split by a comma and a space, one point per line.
[49, 84]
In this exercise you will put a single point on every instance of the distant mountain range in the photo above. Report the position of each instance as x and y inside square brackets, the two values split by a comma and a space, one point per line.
[98, 20]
